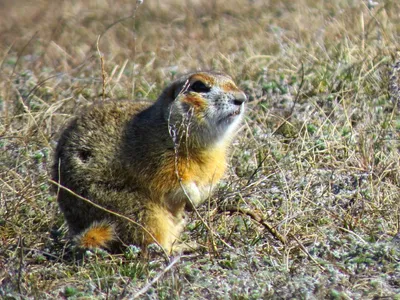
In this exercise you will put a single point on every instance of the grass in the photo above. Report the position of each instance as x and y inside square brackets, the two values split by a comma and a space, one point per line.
[317, 158]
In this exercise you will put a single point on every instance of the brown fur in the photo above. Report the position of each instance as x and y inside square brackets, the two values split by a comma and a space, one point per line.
[143, 161]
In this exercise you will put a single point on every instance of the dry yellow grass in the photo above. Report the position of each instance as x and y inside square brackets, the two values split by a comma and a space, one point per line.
[317, 159]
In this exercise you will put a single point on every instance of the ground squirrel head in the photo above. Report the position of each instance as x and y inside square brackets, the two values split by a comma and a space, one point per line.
[203, 107]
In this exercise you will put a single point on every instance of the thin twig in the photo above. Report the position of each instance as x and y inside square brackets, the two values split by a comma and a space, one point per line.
[173, 132]
[256, 217]
[133, 17]
[257, 169]
[112, 213]
[155, 279]
[202, 220]
[296, 99]
[19, 55]
[353, 233]
[306, 252]
[103, 72]
[21, 263]
[123, 293]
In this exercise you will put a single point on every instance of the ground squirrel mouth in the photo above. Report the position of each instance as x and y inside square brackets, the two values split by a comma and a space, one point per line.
[230, 116]
[235, 113]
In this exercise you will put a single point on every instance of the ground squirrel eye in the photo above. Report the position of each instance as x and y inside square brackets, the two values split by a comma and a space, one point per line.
[199, 87]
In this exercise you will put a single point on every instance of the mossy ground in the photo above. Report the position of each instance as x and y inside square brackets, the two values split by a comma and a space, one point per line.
[317, 157]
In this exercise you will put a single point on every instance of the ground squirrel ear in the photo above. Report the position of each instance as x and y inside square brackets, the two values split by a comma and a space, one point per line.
[172, 91]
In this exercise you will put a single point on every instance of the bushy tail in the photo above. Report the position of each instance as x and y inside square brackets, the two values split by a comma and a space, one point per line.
[98, 235]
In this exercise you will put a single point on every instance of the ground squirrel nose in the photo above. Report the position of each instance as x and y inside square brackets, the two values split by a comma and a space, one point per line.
[239, 99]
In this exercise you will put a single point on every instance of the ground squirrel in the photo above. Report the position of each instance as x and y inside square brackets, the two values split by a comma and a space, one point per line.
[146, 161]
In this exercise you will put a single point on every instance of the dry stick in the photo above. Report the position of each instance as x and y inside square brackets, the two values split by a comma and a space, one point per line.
[257, 169]
[155, 279]
[298, 92]
[197, 212]
[373, 19]
[103, 72]
[19, 55]
[394, 97]
[21, 262]
[173, 135]
[111, 212]
[199, 216]
[306, 252]
[257, 218]
[353, 233]
[133, 17]
[296, 100]
[211, 236]
[393, 85]
[6, 93]
[29, 113]
[202, 220]
[22, 51]
[123, 293]
[115, 23]
[398, 222]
